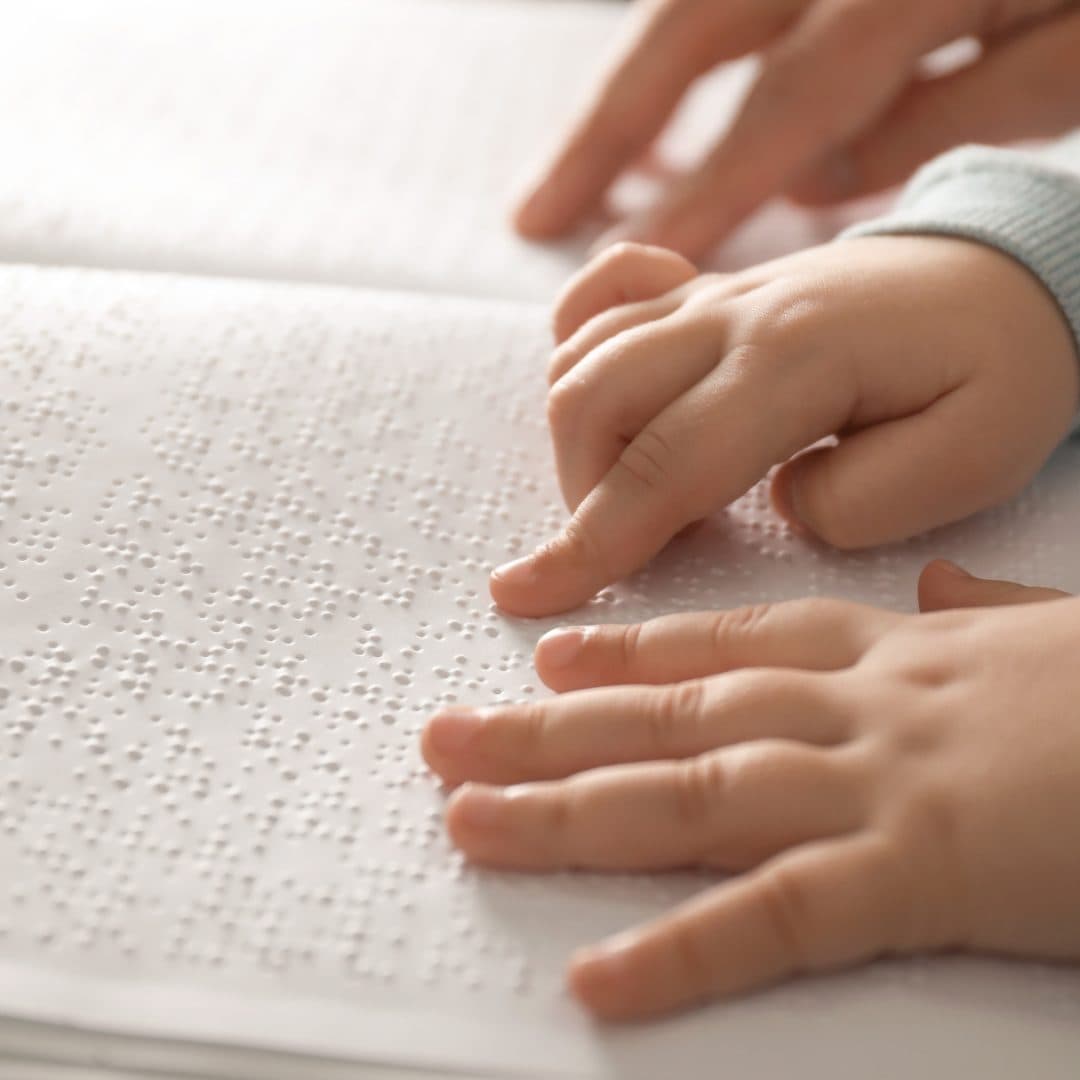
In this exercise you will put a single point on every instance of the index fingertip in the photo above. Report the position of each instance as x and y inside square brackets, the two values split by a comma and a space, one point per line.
[545, 583]
[513, 584]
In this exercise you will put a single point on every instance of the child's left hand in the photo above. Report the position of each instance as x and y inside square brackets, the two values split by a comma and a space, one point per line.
[888, 783]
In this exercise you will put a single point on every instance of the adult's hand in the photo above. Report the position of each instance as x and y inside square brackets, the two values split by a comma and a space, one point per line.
[842, 105]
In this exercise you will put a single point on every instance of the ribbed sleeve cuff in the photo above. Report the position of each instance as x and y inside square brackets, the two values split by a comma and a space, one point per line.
[1022, 204]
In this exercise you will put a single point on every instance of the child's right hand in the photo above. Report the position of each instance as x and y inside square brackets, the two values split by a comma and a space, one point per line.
[946, 370]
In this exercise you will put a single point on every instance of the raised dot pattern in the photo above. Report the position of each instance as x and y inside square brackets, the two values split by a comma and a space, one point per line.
[245, 538]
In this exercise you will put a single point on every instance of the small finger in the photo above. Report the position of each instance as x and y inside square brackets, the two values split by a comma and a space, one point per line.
[619, 388]
[554, 739]
[728, 809]
[822, 906]
[816, 635]
[623, 274]
[603, 328]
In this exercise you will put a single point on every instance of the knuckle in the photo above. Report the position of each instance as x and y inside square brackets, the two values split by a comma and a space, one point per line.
[927, 662]
[787, 908]
[576, 543]
[532, 724]
[825, 611]
[649, 461]
[777, 319]
[930, 823]
[675, 709]
[693, 960]
[699, 788]
[708, 298]
[920, 657]
[730, 628]
[565, 402]
[558, 816]
[630, 646]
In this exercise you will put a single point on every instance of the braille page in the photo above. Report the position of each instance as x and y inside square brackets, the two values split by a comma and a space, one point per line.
[245, 531]
[370, 142]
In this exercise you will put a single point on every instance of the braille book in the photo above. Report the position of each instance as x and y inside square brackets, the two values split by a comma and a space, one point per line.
[245, 533]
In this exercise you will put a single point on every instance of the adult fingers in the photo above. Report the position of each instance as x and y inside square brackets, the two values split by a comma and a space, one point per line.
[833, 73]
[944, 585]
[1022, 87]
[822, 906]
[728, 809]
[557, 738]
[622, 274]
[669, 44]
[813, 635]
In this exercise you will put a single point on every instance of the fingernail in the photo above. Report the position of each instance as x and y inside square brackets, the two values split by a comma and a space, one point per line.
[786, 501]
[562, 647]
[607, 953]
[518, 573]
[953, 569]
[451, 732]
[527, 201]
[480, 805]
[624, 232]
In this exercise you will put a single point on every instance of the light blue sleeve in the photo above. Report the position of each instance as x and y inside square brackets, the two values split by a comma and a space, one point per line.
[1026, 204]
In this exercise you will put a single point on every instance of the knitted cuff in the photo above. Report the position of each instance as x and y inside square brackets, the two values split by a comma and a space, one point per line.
[1020, 203]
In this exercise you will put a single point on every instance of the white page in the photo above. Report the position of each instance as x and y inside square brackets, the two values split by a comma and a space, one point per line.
[244, 544]
[366, 142]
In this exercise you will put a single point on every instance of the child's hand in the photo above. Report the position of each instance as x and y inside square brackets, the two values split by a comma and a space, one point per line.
[947, 371]
[893, 783]
[842, 104]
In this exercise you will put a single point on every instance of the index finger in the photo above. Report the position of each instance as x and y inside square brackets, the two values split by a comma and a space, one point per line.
[668, 46]
[704, 450]
[626, 519]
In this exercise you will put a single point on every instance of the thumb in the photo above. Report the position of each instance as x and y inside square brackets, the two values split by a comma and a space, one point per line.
[944, 585]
